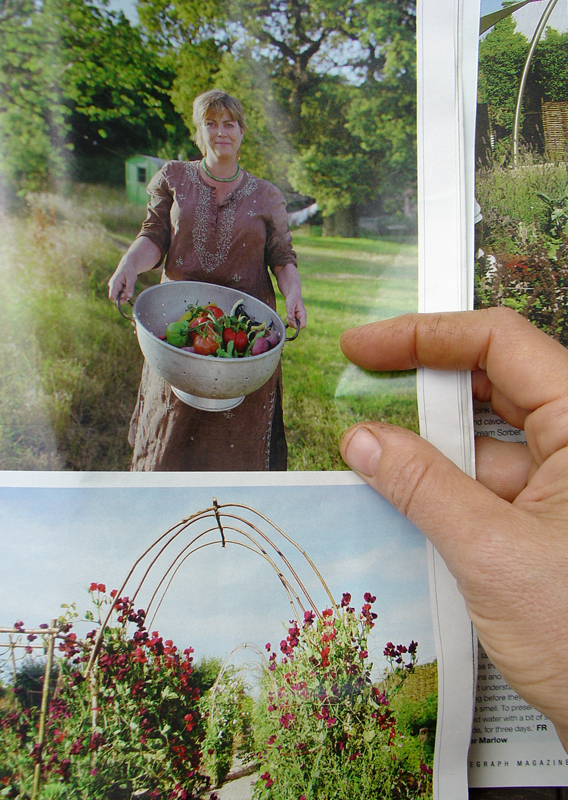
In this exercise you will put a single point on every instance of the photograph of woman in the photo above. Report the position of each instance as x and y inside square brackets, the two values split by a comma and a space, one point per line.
[212, 221]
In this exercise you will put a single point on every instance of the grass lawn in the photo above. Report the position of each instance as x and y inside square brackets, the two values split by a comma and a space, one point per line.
[70, 365]
[346, 282]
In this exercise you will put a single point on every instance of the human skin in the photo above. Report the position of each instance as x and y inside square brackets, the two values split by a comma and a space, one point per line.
[504, 536]
[143, 255]
[222, 137]
[288, 280]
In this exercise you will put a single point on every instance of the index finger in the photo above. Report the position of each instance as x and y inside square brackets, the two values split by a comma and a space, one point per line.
[522, 362]
[527, 369]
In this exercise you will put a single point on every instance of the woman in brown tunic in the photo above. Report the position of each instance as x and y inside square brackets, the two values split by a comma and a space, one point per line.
[212, 221]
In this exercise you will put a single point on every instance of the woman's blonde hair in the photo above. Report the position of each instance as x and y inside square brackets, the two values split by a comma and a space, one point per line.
[213, 103]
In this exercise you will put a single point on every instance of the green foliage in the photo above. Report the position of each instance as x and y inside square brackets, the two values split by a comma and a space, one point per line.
[115, 85]
[534, 284]
[332, 166]
[523, 262]
[513, 193]
[140, 725]
[416, 711]
[226, 709]
[70, 364]
[325, 730]
[288, 65]
[551, 65]
[384, 118]
[28, 684]
[146, 729]
[32, 111]
[556, 210]
[502, 54]
[75, 76]
[18, 728]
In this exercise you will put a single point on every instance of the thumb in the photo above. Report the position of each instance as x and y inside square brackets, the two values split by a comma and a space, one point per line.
[509, 562]
[450, 508]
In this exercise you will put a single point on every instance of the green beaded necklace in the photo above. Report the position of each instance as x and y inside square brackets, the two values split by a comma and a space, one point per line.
[221, 180]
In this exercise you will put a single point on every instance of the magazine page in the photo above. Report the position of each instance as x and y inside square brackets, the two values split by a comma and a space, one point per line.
[330, 140]
[520, 242]
[304, 656]
[447, 65]
[334, 129]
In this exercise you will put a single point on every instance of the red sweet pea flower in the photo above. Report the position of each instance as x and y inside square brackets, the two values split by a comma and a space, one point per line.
[268, 780]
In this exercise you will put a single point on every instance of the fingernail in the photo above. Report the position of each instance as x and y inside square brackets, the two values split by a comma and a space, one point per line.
[363, 452]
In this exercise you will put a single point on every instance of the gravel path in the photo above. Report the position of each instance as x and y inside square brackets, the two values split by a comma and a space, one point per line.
[237, 790]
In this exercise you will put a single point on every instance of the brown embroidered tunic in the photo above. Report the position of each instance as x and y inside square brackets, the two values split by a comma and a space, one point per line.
[233, 245]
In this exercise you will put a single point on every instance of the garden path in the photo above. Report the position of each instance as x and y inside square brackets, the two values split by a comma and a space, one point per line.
[239, 789]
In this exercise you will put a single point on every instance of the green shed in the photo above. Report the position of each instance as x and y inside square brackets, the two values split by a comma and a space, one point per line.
[139, 170]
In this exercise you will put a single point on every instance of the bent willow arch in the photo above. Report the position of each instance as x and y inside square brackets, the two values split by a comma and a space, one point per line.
[220, 525]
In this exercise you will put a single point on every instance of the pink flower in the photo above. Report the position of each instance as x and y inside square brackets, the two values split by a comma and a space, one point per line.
[286, 720]
[97, 740]
[76, 747]
[268, 780]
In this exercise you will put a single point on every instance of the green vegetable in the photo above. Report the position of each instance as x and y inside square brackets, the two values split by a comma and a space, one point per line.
[177, 333]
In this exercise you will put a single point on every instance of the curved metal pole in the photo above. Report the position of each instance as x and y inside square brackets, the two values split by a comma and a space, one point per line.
[536, 37]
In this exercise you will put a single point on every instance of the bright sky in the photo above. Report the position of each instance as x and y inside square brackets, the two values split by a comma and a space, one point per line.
[127, 6]
[528, 17]
[56, 541]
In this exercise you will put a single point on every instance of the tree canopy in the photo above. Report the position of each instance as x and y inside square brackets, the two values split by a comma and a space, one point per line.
[502, 56]
[76, 77]
[328, 87]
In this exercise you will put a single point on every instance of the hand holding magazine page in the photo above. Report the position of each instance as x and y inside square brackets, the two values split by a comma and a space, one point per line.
[494, 285]
[520, 238]
[521, 265]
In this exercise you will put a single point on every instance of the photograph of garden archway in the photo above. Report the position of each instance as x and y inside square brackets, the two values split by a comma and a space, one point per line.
[304, 659]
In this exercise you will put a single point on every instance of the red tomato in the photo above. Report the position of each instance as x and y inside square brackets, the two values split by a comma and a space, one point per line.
[228, 335]
[205, 345]
[198, 321]
[215, 310]
[200, 326]
[241, 341]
